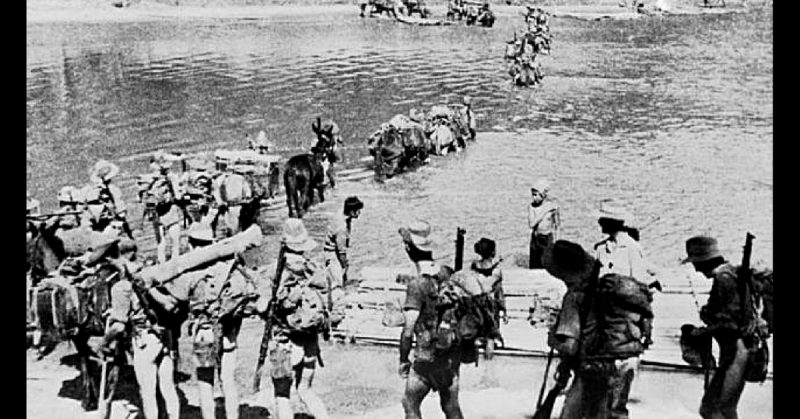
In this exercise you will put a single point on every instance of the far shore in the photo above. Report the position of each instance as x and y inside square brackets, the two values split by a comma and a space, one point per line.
[42, 11]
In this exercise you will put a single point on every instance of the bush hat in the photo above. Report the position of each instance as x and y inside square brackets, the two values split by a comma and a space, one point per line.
[296, 236]
[485, 247]
[353, 204]
[701, 248]
[541, 185]
[33, 205]
[68, 194]
[418, 232]
[615, 212]
[103, 171]
[568, 261]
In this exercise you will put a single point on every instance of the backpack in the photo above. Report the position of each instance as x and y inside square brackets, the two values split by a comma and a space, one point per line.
[156, 190]
[465, 313]
[234, 189]
[622, 310]
[302, 307]
[762, 281]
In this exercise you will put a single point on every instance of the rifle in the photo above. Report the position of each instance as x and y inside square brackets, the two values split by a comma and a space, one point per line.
[53, 214]
[459, 263]
[745, 285]
[544, 410]
[262, 353]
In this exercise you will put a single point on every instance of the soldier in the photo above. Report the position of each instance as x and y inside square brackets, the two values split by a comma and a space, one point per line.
[105, 205]
[294, 352]
[150, 341]
[197, 187]
[431, 369]
[262, 145]
[471, 124]
[544, 221]
[337, 240]
[487, 266]
[162, 196]
[727, 323]
[620, 254]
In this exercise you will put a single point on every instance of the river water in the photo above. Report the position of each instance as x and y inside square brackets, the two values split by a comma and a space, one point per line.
[672, 116]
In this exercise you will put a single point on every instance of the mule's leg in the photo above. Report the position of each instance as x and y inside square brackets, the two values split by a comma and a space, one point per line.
[89, 396]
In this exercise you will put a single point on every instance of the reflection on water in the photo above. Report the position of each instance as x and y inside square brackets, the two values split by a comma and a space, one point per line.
[672, 115]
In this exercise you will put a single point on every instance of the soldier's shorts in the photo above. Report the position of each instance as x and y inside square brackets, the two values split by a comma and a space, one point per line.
[438, 374]
[288, 357]
[211, 339]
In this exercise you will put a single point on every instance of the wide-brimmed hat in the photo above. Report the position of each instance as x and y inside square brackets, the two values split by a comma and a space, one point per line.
[568, 261]
[485, 247]
[164, 159]
[418, 233]
[296, 236]
[201, 232]
[615, 212]
[541, 185]
[68, 194]
[102, 245]
[352, 203]
[701, 248]
[33, 205]
[103, 171]
[467, 100]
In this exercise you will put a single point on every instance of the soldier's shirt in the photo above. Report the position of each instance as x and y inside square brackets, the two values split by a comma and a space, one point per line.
[724, 304]
[337, 239]
[421, 295]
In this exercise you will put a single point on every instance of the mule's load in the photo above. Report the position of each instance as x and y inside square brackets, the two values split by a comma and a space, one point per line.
[260, 170]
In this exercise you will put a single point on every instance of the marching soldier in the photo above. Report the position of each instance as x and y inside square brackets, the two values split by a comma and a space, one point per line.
[430, 369]
[151, 343]
[337, 240]
[726, 321]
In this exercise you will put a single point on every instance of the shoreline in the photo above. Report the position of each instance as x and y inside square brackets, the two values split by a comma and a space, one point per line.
[92, 11]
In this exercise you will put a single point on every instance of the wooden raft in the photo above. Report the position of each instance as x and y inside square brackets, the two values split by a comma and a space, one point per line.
[673, 307]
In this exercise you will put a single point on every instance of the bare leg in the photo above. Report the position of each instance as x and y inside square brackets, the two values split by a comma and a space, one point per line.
[448, 399]
[227, 370]
[309, 397]
[166, 384]
[205, 389]
[145, 369]
[174, 233]
[416, 390]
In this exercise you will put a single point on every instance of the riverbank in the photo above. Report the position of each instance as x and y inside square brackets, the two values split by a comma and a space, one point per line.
[40, 11]
[361, 382]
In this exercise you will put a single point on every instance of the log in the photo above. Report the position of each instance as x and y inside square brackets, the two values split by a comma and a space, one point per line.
[170, 270]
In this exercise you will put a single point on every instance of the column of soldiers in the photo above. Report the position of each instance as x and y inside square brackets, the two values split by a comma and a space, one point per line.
[598, 341]
[523, 51]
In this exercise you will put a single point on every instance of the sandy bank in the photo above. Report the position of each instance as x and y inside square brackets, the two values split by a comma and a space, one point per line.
[40, 11]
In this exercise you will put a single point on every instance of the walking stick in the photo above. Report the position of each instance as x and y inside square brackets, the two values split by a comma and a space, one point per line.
[459, 262]
[102, 404]
[262, 354]
[544, 381]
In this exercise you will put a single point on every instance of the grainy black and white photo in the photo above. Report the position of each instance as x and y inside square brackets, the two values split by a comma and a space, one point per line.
[382, 209]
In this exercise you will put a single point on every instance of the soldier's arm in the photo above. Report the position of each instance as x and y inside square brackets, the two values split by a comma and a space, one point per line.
[723, 304]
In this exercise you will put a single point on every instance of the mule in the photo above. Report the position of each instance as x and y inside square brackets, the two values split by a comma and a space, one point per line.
[397, 150]
[302, 175]
[442, 139]
[327, 139]
[525, 73]
[380, 6]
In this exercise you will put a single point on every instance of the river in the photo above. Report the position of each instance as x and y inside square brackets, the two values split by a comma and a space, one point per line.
[672, 116]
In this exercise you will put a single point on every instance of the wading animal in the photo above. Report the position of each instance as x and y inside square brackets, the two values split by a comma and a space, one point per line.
[302, 175]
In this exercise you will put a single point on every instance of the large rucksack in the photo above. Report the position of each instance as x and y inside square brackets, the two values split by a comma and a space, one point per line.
[623, 314]
[155, 189]
[465, 313]
[302, 304]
